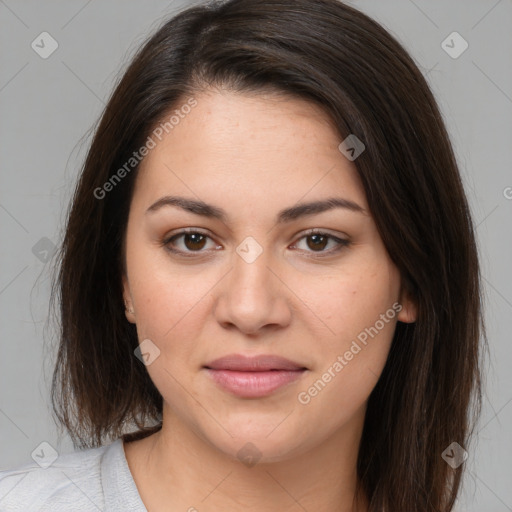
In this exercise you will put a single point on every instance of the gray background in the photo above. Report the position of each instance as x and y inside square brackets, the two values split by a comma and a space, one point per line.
[47, 107]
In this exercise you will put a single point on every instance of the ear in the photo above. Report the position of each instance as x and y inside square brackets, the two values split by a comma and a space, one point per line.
[409, 312]
[127, 297]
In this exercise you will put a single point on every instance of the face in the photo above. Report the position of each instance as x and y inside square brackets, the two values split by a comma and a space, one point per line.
[252, 280]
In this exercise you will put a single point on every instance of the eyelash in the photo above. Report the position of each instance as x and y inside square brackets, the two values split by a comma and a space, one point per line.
[342, 243]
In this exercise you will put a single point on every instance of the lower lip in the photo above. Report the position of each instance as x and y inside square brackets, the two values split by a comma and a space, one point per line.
[253, 384]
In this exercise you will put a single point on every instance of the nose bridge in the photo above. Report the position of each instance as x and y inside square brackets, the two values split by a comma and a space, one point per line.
[252, 296]
[251, 279]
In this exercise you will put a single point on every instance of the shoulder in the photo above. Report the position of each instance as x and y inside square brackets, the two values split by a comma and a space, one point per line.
[70, 482]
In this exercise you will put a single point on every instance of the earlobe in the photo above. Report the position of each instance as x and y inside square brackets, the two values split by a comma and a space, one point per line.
[129, 311]
[409, 312]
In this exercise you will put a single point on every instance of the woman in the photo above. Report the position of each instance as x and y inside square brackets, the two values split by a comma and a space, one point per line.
[269, 285]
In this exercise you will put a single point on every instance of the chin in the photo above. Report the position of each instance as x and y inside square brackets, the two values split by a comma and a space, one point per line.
[258, 443]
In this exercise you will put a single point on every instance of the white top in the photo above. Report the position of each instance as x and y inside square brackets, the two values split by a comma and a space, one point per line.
[95, 479]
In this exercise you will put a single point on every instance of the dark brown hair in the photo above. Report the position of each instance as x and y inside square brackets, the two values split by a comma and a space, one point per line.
[338, 58]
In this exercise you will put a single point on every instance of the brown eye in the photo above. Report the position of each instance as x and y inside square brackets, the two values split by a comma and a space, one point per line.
[194, 241]
[318, 241]
[187, 243]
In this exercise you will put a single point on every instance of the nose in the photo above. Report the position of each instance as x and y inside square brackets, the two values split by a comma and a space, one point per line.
[253, 297]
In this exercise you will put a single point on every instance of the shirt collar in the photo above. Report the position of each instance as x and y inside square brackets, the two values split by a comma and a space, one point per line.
[119, 488]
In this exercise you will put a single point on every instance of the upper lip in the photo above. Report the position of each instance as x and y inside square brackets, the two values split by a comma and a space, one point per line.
[259, 363]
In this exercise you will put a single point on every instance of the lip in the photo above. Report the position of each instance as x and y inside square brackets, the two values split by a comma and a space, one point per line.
[261, 363]
[253, 377]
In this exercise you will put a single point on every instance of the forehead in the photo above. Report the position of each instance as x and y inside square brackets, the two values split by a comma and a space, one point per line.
[264, 148]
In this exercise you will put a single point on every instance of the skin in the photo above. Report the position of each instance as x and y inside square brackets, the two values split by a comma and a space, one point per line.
[253, 155]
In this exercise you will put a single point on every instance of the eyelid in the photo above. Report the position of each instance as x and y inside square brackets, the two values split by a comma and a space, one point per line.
[341, 242]
[321, 231]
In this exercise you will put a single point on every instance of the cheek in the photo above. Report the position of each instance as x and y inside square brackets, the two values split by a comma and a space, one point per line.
[171, 311]
[349, 300]
[358, 307]
[171, 307]
[164, 293]
[173, 304]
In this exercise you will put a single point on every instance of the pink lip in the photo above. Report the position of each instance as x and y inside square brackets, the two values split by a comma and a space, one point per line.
[253, 377]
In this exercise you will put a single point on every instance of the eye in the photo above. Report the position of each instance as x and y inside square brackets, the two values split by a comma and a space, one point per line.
[317, 241]
[193, 241]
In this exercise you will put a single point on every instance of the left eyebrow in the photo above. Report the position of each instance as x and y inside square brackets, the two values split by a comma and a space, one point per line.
[304, 209]
[287, 215]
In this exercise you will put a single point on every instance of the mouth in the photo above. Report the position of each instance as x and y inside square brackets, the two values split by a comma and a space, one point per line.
[253, 377]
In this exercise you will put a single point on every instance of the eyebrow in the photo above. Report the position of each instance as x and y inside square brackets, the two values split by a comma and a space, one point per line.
[287, 215]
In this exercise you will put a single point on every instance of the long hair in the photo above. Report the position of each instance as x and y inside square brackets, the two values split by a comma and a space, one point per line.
[340, 59]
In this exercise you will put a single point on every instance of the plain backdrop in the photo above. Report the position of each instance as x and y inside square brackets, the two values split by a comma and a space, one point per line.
[48, 105]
